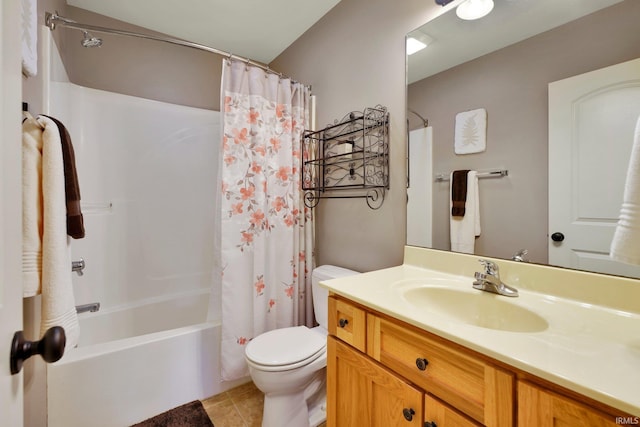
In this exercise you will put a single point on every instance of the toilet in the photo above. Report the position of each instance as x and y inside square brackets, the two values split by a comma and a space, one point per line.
[289, 365]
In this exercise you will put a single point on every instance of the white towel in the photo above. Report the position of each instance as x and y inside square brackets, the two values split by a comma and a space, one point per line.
[58, 303]
[29, 9]
[31, 206]
[625, 246]
[463, 230]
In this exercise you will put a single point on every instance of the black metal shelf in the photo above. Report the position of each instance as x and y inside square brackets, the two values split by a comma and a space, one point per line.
[352, 154]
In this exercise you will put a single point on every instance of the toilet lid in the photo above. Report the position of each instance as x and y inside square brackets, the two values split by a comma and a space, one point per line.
[285, 346]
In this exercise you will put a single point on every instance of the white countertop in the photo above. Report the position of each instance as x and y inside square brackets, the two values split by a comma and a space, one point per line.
[590, 349]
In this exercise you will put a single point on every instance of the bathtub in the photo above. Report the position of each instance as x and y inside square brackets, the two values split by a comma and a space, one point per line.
[136, 362]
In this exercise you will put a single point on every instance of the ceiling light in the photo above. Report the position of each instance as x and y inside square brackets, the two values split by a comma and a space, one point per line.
[416, 41]
[414, 45]
[474, 9]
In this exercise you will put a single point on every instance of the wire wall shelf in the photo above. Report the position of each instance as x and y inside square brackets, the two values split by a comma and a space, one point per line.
[348, 159]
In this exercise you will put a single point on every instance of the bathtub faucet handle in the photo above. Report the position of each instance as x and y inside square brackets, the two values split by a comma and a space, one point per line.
[78, 266]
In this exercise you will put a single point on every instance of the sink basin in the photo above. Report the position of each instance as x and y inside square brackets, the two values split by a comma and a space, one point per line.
[477, 308]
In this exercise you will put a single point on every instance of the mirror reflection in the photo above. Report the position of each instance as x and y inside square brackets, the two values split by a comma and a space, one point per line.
[547, 92]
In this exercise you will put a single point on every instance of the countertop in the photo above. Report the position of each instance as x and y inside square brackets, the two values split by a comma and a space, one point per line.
[591, 349]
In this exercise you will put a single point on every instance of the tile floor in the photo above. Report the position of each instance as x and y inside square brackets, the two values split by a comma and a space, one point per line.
[238, 407]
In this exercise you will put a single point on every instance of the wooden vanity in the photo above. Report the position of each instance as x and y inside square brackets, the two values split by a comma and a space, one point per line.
[385, 372]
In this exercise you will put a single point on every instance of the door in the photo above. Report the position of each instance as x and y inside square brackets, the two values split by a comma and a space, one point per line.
[10, 209]
[592, 118]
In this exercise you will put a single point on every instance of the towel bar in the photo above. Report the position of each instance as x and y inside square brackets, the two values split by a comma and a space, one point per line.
[91, 307]
[498, 173]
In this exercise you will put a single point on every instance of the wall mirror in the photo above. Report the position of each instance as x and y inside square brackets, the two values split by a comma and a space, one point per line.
[521, 64]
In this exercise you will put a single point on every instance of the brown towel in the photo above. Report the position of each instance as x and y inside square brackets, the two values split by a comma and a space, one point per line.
[458, 192]
[75, 221]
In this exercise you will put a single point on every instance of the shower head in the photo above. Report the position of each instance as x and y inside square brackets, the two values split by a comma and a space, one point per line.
[90, 40]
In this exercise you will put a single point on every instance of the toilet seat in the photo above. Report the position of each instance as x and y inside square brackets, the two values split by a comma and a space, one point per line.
[285, 348]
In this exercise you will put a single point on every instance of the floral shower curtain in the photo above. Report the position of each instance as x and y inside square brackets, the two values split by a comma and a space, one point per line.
[266, 232]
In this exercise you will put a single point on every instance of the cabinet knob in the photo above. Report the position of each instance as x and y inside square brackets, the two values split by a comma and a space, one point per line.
[343, 322]
[430, 424]
[422, 363]
[408, 413]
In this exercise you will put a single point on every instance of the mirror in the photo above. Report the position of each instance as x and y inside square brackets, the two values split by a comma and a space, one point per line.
[504, 63]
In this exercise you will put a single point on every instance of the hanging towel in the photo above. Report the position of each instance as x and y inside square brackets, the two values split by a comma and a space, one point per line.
[625, 246]
[31, 206]
[464, 229]
[75, 221]
[58, 303]
[29, 10]
[458, 192]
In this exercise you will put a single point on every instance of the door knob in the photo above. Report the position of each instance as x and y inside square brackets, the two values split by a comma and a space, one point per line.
[50, 347]
[557, 237]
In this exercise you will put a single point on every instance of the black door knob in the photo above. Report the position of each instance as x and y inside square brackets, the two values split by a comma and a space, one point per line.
[50, 347]
[557, 237]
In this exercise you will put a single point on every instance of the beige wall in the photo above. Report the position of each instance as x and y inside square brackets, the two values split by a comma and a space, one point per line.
[511, 84]
[354, 57]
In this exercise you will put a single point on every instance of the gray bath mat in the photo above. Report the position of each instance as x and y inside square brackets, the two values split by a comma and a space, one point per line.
[190, 414]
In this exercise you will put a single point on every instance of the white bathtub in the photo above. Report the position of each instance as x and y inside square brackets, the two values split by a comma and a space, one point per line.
[137, 362]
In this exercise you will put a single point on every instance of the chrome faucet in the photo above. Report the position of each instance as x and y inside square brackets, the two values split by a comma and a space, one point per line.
[520, 256]
[489, 281]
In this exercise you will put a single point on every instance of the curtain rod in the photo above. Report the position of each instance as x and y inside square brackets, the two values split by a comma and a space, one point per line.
[51, 19]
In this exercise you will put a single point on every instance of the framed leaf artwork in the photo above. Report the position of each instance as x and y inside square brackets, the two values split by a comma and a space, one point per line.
[471, 132]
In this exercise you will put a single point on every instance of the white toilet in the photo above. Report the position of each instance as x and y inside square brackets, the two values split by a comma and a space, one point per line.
[289, 364]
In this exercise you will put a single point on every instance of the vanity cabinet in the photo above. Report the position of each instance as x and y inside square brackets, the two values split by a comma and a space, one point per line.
[384, 372]
[402, 377]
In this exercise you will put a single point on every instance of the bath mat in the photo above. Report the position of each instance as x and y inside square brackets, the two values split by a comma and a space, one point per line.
[191, 414]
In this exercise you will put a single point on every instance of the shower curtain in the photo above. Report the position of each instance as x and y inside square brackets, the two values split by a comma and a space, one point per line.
[266, 232]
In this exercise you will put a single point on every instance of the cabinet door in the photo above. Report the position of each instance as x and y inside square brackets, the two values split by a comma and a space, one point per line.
[362, 393]
[538, 407]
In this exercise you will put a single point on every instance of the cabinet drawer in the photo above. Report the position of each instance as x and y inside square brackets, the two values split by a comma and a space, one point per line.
[480, 390]
[348, 323]
[437, 413]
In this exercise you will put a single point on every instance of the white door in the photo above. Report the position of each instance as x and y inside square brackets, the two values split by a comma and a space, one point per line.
[10, 209]
[592, 118]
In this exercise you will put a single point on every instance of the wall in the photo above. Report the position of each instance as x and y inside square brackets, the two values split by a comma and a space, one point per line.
[354, 57]
[512, 84]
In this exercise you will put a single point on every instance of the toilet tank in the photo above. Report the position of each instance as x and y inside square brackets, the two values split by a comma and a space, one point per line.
[320, 295]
